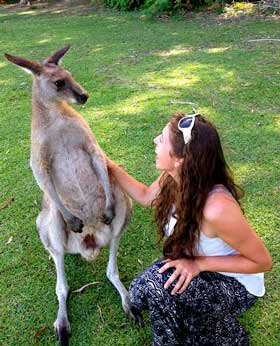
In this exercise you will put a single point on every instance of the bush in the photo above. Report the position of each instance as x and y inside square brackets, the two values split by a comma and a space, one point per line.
[155, 7]
[125, 5]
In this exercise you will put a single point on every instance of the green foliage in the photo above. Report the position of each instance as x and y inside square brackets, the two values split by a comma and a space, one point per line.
[157, 7]
[154, 7]
[125, 4]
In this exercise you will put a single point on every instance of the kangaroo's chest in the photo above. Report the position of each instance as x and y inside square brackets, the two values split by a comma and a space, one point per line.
[60, 138]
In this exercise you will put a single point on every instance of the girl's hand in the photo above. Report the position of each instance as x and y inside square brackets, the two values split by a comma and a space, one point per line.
[185, 271]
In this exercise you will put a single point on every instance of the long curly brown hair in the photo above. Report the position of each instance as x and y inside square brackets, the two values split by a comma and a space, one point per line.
[203, 167]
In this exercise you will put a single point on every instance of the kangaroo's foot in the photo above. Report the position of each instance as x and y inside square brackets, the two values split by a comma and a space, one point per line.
[132, 311]
[108, 215]
[135, 314]
[63, 331]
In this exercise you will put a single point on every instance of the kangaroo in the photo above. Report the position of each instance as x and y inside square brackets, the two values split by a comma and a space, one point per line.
[83, 208]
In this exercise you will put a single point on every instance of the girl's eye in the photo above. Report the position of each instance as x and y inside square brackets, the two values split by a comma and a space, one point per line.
[60, 83]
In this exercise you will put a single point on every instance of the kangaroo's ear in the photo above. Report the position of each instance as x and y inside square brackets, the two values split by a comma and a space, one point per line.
[57, 56]
[26, 64]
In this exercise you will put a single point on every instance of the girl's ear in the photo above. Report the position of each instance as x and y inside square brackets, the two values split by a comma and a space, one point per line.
[178, 162]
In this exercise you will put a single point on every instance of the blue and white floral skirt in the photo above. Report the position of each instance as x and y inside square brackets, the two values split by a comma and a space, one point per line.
[204, 315]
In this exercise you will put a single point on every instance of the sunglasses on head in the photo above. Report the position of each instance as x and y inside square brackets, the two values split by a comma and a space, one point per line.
[185, 125]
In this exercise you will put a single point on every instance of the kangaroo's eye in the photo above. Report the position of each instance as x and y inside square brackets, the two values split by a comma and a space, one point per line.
[60, 83]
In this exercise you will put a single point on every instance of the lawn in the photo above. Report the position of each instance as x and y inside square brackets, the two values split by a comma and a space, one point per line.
[137, 73]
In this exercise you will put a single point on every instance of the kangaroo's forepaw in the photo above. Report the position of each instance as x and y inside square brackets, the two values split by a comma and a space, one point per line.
[108, 216]
[75, 224]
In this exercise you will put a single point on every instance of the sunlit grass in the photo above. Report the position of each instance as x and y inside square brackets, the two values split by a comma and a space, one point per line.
[137, 73]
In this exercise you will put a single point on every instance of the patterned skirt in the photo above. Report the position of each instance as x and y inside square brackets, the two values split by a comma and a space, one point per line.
[203, 315]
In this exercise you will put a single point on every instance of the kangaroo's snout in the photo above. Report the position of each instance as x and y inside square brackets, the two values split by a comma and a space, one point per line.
[80, 95]
[83, 98]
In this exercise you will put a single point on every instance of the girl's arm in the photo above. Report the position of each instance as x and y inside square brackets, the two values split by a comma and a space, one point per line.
[140, 192]
[224, 218]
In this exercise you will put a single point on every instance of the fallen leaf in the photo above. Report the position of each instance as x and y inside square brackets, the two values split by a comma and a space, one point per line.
[39, 332]
[9, 241]
[100, 313]
[182, 103]
[80, 290]
[7, 202]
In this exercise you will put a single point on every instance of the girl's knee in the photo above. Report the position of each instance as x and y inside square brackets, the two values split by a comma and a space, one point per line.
[151, 282]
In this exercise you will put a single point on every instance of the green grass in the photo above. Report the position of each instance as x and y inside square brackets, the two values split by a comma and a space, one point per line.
[133, 69]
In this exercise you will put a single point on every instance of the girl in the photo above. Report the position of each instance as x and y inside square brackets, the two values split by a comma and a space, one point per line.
[213, 260]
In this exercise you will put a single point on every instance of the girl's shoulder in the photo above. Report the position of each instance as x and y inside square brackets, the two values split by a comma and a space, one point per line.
[219, 188]
[220, 210]
[219, 202]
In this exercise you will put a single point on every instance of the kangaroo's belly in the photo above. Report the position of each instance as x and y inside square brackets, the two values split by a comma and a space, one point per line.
[77, 184]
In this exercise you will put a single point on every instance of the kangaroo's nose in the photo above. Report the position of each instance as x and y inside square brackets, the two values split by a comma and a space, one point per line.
[83, 98]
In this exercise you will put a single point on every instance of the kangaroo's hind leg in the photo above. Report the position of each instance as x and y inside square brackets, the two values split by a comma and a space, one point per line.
[123, 208]
[51, 228]
[113, 276]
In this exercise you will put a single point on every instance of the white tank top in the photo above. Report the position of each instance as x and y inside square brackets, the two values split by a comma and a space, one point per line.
[254, 283]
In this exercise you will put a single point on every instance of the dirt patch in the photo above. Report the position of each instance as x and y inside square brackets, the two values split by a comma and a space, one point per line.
[64, 7]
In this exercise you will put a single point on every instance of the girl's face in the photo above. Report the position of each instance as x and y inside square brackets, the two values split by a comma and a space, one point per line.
[164, 160]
